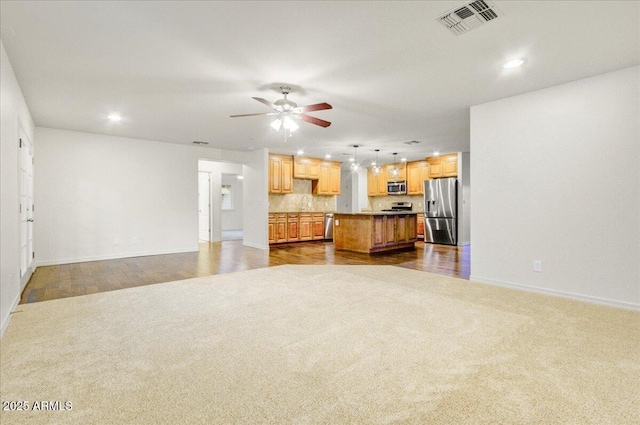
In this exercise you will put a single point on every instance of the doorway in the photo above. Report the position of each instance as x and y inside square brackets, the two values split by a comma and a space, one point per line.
[204, 206]
[231, 207]
[27, 254]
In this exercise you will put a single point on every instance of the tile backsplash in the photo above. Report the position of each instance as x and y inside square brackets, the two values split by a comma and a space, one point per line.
[301, 200]
[379, 203]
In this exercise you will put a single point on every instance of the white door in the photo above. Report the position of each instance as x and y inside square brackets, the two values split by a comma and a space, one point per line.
[204, 205]
[26, 208]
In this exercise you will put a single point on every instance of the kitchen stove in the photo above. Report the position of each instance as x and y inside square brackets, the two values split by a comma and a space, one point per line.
[400, 206]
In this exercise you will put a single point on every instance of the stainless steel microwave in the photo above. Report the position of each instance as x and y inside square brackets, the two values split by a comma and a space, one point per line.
[397, 188]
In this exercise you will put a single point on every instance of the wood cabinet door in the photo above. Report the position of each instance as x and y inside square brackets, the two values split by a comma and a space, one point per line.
[292, 230]
[323, 180]
[334, 179]
[424, 175]
[300, 168]
[401, 229]
[275, 175]
[382, 185]
[272, 232]
[313, 169]
[286, 176]
[390, 236]
[420, 226]
[450, 166]
[414, 186]
[377, 225]
[306, 232]
[372, 183]
[318, 226]
[281, 231]
[435, 169]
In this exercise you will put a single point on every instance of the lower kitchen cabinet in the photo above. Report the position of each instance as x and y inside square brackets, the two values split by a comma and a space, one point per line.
[420, 226]
[317, 226]
[306, 227]
[374, 232]
[295, 227]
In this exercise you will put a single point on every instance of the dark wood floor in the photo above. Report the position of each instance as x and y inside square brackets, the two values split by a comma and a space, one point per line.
[68, 280]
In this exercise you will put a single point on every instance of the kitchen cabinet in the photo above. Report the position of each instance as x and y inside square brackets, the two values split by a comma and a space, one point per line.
[417, 173]
[376, 184]
[305, 227]
[328, 182]
[317, 226]
[443, 166]
[374, 232]
[277, 228]
[306, 168]
[420, 226]
[293, 223]
[280, 174]
[295, 227]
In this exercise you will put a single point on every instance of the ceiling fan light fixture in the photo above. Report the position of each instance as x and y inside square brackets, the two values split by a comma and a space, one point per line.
[289, 124]
[276, 124]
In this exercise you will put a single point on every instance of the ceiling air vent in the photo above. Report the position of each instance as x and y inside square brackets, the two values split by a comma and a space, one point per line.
[197, 142]
[411, 142]
[468, 16]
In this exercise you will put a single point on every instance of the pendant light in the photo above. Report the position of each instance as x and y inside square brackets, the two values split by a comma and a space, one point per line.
[394, 171]
[355, 166]
[376, 169]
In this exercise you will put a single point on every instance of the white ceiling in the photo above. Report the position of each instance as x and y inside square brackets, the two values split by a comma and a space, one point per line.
[176, 70]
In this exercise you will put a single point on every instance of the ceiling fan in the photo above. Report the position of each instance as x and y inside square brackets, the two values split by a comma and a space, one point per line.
[287, 112]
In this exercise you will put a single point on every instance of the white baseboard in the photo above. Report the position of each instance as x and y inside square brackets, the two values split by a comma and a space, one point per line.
[7, 318]
[556, 293]
[255, 245]
[113, 256]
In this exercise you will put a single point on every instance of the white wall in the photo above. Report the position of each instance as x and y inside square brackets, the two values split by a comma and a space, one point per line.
[556, 178]
[14, 115]
[256, 200]
[464, 198]
[102, 197]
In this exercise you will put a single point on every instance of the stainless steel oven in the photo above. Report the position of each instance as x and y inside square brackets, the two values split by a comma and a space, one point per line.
[397, 188]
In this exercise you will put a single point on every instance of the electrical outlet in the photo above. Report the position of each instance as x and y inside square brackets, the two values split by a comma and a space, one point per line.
[537, 266]
[337, 222]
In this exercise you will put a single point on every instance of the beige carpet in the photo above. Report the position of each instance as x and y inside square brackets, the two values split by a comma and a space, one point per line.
[322, 345]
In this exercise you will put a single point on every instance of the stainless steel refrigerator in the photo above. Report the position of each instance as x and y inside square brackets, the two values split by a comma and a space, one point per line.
[441, 211]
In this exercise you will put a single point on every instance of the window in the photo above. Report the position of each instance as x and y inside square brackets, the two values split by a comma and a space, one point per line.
[227, 197]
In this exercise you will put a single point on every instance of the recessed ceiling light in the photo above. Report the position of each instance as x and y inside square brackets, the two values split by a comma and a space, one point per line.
[300, 152]
[436, 153]
[240, 177]
[115, 117]
[513, 63]
[351, 159]
[403, 159]
[327, 156]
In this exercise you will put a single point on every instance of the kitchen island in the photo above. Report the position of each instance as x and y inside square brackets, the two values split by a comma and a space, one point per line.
[372, 232]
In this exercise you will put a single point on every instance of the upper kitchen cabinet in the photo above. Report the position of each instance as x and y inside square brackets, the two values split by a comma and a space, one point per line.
[306, 168]
[328, 182]
[443, 166]
[417, 173]
[280, 174]
[376, 183]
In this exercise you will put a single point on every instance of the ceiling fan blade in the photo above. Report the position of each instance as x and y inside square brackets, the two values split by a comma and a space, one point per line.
[266, 102]
[316, 107]
[314, 120]
[253, 115]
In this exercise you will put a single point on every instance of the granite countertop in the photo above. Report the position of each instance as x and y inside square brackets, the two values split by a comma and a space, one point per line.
[301, 212]
[381, 213]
